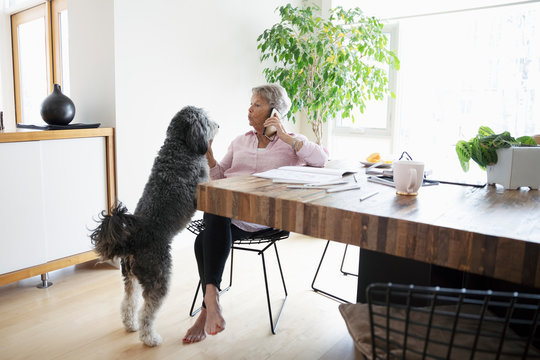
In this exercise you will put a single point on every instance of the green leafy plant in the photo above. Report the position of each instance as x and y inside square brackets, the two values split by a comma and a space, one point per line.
[327, 66]
[483, 147]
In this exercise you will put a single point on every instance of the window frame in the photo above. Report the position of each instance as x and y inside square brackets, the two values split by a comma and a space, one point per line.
[49, 10]
[57, 6]
[391, 107]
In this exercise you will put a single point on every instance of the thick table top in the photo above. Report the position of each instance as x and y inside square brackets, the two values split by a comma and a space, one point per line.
[487, 231]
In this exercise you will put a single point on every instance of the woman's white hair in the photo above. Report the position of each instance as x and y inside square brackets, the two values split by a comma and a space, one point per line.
[276, 96]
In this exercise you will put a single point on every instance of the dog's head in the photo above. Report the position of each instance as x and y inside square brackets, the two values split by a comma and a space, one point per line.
[191, 124]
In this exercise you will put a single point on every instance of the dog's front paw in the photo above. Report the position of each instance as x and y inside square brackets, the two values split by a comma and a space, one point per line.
[151, 339]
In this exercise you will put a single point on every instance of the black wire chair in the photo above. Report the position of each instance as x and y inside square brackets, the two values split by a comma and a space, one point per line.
[417, 322]
[266, 239]
[345, 273]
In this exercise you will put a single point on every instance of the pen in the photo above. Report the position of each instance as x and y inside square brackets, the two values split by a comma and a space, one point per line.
[367, 196]
[306, 187]
[319, 185]
[351, 186]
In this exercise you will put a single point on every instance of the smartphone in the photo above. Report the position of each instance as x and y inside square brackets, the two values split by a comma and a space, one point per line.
[270, 130]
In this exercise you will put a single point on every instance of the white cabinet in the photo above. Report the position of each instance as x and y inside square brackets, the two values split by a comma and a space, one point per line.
[21, 207]
[51, 190]
[74, 192]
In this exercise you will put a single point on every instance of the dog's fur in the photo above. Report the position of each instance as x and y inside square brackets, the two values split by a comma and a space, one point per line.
[142, 239]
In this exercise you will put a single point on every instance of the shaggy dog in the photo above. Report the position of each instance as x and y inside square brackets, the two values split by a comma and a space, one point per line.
[142, 239]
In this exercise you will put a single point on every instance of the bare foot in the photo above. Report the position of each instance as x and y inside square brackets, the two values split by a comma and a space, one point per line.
[215, 323]
[196, 333]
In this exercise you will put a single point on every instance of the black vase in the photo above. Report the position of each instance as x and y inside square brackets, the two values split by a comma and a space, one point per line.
[57, 108]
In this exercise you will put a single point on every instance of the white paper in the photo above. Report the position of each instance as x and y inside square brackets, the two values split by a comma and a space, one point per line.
[316, 170]
[299, 177]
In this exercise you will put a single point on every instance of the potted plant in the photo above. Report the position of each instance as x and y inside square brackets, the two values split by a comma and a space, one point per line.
[508, 161]
[327, 66]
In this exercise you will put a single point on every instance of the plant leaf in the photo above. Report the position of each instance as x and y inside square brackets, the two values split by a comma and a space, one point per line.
[463, 150]
[485, 131]
[526, 140]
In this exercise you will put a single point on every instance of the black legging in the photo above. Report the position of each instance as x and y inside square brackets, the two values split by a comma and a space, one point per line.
[212, 248]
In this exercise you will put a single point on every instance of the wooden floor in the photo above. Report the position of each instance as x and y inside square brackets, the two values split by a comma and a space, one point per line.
[78, 317]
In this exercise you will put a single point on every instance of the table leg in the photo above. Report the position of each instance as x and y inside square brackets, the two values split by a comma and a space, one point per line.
[379, 267]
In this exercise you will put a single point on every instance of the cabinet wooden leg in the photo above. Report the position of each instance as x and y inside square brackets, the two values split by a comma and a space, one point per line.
[45, 283]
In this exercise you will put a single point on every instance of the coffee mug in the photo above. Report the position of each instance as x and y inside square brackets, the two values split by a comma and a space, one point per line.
[408, 176]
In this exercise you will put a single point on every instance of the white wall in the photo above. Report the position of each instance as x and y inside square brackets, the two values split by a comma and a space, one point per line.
[91, 61]
[170, 54]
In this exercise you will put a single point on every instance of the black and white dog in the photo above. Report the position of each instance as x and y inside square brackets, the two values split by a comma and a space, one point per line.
[142, 240]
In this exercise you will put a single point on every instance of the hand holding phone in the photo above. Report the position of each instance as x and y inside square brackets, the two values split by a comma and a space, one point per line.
[271, 130]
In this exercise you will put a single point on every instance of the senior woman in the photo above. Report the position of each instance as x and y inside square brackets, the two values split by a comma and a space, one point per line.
[251, 152]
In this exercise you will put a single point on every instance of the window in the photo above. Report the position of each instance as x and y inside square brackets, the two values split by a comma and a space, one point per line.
[376, 118]
[463, 70]
[40, 56]
[459, 70]
[372, 129]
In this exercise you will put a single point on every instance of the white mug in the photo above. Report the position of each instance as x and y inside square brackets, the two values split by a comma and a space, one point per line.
[408, 176]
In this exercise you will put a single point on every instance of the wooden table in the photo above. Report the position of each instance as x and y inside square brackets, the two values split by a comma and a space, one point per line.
[486, 231]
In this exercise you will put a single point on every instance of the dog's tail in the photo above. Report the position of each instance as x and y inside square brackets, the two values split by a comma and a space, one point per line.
[112, 236]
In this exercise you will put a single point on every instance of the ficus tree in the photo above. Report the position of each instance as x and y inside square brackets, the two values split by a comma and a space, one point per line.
[328, 66]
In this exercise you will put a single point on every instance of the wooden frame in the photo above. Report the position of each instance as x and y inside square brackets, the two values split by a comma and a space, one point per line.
[57, 6]
[50, 11]
[22, 136]
[36, 12]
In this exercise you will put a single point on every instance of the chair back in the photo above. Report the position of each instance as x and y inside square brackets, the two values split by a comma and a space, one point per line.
[417, 322]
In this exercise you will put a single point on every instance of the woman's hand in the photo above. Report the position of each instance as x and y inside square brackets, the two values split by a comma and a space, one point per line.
[275, 121]
[210, 155]
[281, 132]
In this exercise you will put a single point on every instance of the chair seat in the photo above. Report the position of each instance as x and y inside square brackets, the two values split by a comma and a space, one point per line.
[260, 237]
[196, 226]
[267, 236]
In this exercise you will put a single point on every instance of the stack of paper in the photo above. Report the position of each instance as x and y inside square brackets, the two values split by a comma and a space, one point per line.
[302, 174]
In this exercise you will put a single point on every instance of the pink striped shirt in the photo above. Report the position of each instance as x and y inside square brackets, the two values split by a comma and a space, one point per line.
[244, 158]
